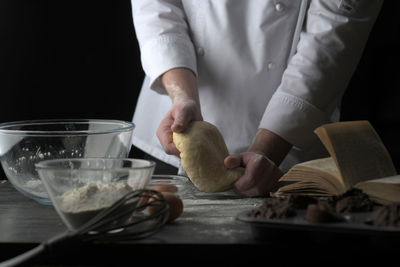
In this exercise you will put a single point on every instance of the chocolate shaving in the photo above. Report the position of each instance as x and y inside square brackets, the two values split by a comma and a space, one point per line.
[353, 200]
[388, 215]
[274, 208]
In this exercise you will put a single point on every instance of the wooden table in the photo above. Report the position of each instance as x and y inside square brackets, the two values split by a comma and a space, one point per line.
[207, 233]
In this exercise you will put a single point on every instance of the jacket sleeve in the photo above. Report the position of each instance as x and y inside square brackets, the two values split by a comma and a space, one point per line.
[329, 48]
[163, 36]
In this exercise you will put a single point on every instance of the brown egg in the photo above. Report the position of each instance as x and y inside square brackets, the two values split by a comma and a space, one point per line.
[175, 206]
[142, 202]
[162, 187]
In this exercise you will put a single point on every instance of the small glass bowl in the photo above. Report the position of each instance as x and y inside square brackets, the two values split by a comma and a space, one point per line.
[81, 188]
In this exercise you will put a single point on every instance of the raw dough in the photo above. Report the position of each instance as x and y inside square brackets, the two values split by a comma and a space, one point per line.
[203, 150]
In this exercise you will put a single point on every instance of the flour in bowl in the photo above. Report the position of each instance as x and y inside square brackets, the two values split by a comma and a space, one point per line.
[81, 204]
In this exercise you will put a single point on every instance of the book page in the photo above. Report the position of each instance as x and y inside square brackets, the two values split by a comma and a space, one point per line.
[316, 177]
[357, 150]
[326, 165]
[384, 190]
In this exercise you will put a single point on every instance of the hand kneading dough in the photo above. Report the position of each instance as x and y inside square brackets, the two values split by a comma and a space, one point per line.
[203, 150]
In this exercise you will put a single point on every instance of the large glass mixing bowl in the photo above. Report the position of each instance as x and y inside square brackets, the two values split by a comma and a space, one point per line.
[25, 143]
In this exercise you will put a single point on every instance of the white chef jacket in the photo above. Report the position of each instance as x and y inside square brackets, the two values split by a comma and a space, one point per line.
[281, 65]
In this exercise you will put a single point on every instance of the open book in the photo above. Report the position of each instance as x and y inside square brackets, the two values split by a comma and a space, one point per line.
[358, 158]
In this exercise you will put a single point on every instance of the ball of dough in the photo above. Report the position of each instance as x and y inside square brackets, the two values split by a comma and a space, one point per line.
[203, 150]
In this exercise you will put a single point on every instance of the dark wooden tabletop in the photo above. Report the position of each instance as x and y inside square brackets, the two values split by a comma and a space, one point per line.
[204, 220]
[207, 233]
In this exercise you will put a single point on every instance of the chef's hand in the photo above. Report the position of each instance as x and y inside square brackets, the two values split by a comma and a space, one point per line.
[181, 85]
[260, 177]
[176, 120]
[261, 164]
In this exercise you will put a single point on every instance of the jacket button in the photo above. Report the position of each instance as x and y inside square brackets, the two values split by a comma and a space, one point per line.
[279, 7]
[200, 51]
[271, 65]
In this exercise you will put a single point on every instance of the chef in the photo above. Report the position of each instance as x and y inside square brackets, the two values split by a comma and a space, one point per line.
[266, 73]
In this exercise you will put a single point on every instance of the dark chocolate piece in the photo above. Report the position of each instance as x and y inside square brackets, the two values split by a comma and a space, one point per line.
[322, 213]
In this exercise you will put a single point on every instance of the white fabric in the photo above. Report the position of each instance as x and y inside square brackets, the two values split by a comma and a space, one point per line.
[281, 65]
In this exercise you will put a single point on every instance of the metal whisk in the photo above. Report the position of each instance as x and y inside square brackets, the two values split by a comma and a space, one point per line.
[121, 221]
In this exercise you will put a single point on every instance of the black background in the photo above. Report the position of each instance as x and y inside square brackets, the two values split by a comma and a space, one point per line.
[68, 59]
[80, 59]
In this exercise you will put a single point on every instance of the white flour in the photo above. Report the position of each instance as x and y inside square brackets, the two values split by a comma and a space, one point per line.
[92, 197]
[79, 205]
